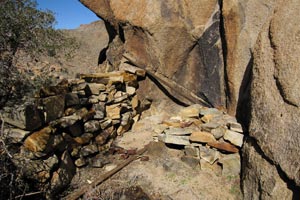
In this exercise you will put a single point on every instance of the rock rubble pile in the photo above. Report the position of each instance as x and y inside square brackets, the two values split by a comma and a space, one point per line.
[210, 137]
[68, 124]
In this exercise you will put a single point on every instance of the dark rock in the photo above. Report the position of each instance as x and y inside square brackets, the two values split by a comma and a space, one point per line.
[27, 117]
[92, 126]
[89, 150]
[84, 138]
[37, 170]
[54, 90]
[94, 88]
[80, 162]
[71, 99]
[62, 177]
[54, 107]
[75, 129]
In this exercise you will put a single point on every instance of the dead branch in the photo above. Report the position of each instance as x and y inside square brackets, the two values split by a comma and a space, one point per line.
[28, 194]
[190, 97]
[77, 194]
[1, 135]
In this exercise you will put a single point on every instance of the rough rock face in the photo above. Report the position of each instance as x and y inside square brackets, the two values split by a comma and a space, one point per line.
[274, 113]
[171, 39]
[243, 52]
[243, 21]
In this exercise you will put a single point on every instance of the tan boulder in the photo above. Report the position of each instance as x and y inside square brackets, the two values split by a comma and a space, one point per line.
[38, 141]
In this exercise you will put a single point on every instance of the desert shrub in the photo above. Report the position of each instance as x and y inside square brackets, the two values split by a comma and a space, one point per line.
[24, 28]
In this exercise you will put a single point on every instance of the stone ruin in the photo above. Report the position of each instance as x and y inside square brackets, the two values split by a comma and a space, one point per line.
[210, 137]
[69, 125]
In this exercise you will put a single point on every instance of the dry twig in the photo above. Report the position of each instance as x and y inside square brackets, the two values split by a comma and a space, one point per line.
[1, 137]
[77, 194]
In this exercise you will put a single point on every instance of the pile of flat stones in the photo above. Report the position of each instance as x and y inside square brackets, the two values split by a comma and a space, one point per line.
[69, 124]
[211, 139]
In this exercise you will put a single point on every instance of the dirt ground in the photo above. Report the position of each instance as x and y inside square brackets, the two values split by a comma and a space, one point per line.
[164, 176]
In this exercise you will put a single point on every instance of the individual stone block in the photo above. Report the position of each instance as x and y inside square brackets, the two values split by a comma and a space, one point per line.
[203, 137]
[210, 125]
[63, 176]
[191, 151]
[123, 128]
[75, 129]
[54, 107]
[27, 117]
[224, 146]
[105, 123]
[120, 96]
[38, 141]
[113, 111]
[67, 121]
[88, 150]
[218, 132]
[70, 111]
[209, 155]
[78, 85]
[102, 97]
[126, 119]
[80, 162]
[210, 111]
[190, 111]
[135, 102]
[191, 161]
[84, 138]
[234, 126]
[231, 164]
[104, 135]
[53, 91]
[94, 88]
[234, 138]
[93, 99]
[132, 69]
[178, 131]
[71, 99]
[174, 139]
[130, 90]
[92, 126]
[17, 135]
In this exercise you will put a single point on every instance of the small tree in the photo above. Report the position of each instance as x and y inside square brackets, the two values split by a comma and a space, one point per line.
[24, 28]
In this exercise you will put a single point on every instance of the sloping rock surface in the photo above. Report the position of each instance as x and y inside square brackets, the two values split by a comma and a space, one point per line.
[171, 39]
[274, 113]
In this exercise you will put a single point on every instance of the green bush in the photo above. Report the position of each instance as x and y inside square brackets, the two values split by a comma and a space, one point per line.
[24, 28]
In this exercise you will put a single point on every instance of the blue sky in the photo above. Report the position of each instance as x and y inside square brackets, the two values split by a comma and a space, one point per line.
[69, 14]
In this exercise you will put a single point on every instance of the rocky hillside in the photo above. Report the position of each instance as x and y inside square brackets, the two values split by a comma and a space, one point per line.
[237, 55]
[83, 60]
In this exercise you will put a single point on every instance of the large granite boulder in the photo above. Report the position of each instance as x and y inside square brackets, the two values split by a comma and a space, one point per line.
[177, 42]
[242, 22]
[274, 112]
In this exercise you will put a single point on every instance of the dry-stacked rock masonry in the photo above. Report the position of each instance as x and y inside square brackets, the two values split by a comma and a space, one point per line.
[72, 122]
[210, 138]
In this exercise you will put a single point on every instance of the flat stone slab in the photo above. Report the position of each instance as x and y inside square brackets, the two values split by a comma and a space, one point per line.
[174, 139]
[178, 131]
[234, 137]
[224, 146]
[203, 137]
